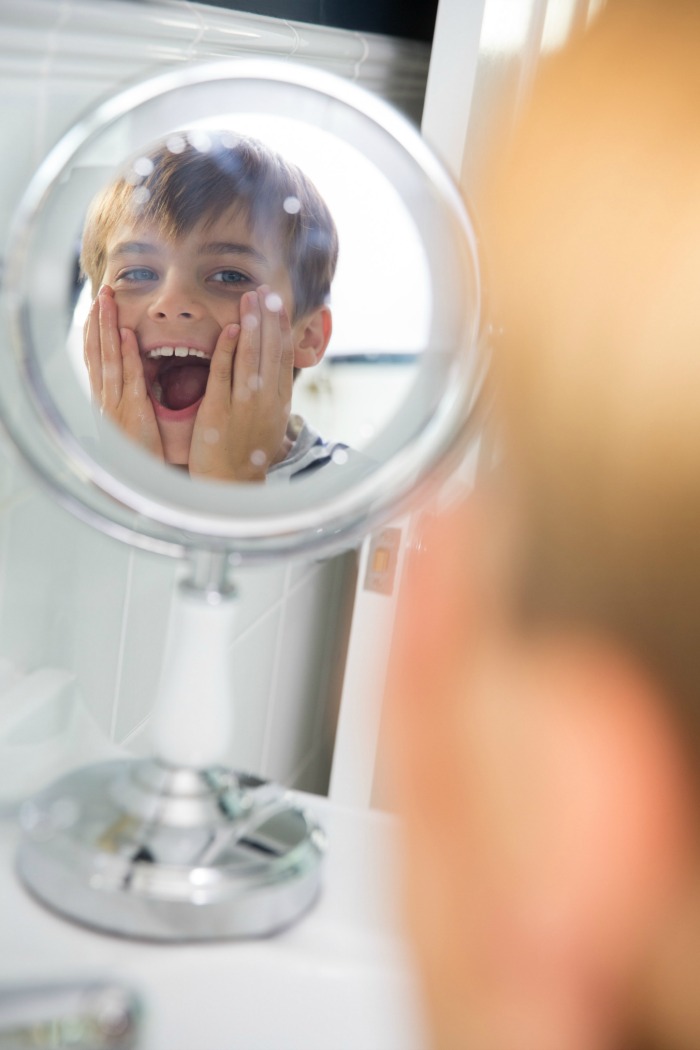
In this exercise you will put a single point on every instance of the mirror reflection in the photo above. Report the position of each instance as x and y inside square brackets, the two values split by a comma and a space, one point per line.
[209, 266]
[361, 365]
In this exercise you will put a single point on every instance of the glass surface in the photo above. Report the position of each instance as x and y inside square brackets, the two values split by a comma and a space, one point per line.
[401, 371]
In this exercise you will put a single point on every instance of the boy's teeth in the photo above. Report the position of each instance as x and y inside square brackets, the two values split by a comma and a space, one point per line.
[178, 351]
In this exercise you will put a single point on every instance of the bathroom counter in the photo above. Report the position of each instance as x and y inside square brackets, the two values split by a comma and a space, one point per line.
[339, 979]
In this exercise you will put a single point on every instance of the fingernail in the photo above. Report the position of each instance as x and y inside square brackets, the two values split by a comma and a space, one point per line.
[232, 331]
[123, 332]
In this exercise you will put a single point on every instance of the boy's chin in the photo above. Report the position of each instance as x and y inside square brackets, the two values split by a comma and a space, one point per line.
[176, 436]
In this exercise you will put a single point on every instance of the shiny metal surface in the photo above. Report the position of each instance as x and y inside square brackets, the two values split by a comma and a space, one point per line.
[145, 850]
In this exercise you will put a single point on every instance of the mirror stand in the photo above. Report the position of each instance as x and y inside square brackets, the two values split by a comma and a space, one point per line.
[177, 847]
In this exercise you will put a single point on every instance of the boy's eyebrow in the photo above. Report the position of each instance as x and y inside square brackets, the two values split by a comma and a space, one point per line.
[212, 248]
[134, 248]
[229, 248]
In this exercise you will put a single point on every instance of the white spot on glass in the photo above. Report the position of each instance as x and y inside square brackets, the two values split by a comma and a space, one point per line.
[273, 302]
[291, 205]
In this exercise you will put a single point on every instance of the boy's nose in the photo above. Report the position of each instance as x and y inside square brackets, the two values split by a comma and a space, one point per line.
[175, 299]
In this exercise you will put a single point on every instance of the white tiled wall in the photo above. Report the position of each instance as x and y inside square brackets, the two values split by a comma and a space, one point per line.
[72, 598]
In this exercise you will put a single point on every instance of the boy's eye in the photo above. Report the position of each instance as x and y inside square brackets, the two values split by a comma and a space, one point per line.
[138, 273]
[230, 277]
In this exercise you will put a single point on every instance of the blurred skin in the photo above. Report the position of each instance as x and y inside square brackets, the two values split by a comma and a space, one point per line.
[540, 744]
[226, 293]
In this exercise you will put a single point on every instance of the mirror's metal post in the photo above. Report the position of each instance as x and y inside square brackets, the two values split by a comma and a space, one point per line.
[193, 718]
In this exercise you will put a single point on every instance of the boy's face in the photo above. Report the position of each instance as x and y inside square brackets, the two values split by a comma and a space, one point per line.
[177, 296]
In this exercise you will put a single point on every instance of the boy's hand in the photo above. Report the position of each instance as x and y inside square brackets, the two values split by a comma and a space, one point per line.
[116, 374]
[241, 424]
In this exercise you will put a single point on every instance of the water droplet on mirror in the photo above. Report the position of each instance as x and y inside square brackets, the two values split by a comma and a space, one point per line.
[258, 457]
[140, 195]
[211, 436]
[339, 456]
[291, 205]
[249, 321]
[200, 140]
[273, 302]
[176, 143]
[143, 166]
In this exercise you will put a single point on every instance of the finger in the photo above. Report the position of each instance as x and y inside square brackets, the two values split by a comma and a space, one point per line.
[219, 383]
[92, 353]
[134, 382]
[270, 339]
[110, 344]
[286, 370]
[247, 366]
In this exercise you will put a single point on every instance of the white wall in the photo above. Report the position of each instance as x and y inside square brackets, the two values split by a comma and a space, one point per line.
[70, 597]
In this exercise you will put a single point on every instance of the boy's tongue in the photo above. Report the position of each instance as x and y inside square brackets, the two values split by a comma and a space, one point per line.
[184, 385]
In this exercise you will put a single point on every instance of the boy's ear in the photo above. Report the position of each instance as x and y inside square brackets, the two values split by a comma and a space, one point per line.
[311, 337]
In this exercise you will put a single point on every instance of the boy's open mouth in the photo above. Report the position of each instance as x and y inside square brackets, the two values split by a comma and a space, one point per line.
[176, 376]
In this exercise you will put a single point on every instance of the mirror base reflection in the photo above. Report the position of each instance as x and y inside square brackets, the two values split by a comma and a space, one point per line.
[150, 851]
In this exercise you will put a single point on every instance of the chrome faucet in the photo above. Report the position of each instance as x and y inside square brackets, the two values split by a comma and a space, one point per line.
[87, 1015]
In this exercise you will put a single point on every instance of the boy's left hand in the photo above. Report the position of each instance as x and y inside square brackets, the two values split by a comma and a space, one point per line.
[241, 424]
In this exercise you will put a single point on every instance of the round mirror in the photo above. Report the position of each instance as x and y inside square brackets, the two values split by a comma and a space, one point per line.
[384, 390]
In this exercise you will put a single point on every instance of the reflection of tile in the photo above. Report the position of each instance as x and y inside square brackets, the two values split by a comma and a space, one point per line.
[95, 620]
[224, 35]
[253, 660]
[259, 588]
[63, 599]
[149, 594]
[307, 649]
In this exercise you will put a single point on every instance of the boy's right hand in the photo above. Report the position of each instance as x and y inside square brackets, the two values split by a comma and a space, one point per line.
[116, 374]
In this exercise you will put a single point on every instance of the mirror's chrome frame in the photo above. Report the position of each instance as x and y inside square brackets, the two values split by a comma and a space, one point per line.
[95, 494]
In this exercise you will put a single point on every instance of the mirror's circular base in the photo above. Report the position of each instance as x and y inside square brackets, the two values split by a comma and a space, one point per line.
[145, 850]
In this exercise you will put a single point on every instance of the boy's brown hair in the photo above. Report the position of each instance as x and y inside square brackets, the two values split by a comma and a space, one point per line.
[178, 184]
